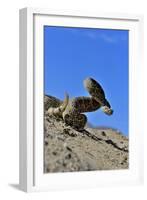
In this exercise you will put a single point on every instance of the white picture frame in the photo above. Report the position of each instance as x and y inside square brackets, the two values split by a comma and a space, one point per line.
[31, 175]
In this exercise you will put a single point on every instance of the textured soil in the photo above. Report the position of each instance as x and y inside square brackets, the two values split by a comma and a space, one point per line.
[68, 150]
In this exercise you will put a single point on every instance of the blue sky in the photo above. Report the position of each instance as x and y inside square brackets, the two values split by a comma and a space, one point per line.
[73, 54]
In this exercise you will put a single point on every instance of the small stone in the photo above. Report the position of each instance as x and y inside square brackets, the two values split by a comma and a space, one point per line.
[103, 133]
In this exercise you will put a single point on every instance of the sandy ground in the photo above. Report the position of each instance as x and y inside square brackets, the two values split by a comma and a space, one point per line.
[67, 150]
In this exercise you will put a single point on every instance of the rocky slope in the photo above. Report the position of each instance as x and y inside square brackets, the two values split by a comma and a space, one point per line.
[67, 150]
